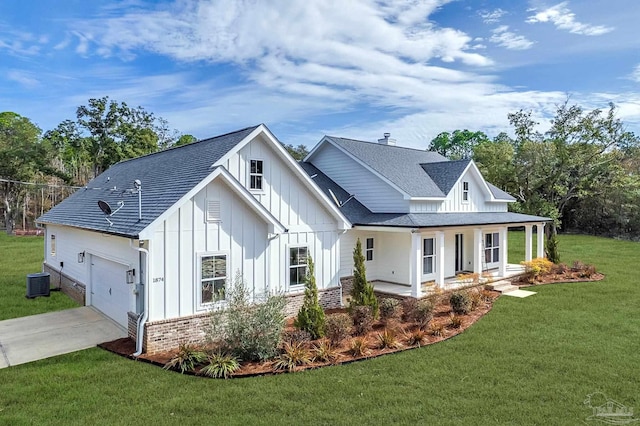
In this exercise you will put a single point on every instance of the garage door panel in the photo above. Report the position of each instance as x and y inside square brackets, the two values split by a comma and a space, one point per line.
[109, 289]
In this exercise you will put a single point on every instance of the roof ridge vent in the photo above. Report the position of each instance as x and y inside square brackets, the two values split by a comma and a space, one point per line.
[387, 140]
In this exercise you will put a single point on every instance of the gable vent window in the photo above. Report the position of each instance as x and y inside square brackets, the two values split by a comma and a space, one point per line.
[213, 211]
[369, 249]
[465, 192]
[52, 245]
[256, 175]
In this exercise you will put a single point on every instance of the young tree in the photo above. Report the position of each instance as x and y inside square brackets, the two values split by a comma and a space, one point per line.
[311, 315]
[362, 292]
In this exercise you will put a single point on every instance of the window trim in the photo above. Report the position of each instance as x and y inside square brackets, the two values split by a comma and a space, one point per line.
[289, 265]
[369, 251]
[432, 256]
[465, 192]
[52, 245]
[256, 174]
[493, 248]
[200, 303]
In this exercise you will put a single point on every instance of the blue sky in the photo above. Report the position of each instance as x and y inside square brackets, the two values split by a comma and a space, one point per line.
[352, 68]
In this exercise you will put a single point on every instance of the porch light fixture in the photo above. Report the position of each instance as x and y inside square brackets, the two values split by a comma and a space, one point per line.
[131, 273]
[81, 257]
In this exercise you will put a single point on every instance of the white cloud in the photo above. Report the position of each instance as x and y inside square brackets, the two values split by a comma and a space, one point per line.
[510, 40]
[561, 16]
[492, 16]
[23, 78]
[635, 74]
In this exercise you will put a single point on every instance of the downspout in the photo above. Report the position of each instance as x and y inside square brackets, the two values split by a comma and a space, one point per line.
[142, 319]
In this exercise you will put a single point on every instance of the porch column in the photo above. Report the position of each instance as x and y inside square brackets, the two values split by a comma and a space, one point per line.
[505, 251]
[415, 266]
[528, 242]
[440, 259]
[478, 251]
[540, 239]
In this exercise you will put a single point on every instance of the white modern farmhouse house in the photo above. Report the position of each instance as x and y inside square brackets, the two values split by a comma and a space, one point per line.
[152, 242]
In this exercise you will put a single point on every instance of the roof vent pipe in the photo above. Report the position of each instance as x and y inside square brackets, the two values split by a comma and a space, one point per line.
[387, 140]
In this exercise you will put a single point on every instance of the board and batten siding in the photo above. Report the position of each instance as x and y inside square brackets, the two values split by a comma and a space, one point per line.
[368, 188]
[71, 241]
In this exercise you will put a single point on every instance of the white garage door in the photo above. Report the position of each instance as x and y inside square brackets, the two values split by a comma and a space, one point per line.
[109, 289]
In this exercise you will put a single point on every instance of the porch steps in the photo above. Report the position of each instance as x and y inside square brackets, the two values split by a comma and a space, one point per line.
[502, 286]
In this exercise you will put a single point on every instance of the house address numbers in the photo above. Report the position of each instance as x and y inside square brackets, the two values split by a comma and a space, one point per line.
[158, 280]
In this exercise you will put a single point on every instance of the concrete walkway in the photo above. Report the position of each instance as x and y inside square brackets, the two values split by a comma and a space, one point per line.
[42, 336]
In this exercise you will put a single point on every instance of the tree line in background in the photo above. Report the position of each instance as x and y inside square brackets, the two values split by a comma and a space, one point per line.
[583, 172]
[38, 170]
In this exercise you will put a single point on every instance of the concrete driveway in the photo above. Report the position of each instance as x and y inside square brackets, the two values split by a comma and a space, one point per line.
[42, 336]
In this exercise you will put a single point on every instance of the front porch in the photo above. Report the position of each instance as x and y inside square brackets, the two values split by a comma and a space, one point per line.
[451, 283]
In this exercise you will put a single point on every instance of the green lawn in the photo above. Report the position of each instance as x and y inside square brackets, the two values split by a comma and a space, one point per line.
[529, 361]
[20, 256]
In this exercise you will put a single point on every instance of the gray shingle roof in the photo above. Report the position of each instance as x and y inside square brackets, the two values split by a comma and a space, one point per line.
[166, 176]
[358, 214]
[401, 166]
[499, 194]
[445, 173]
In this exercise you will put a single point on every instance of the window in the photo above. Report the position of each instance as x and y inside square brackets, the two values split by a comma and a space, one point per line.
[369, 249]
[213, 211]
[492, 247]
[297, 265]
[465, 192]
[255, 175]
[213, 278]
[428, 253]
[52, 245]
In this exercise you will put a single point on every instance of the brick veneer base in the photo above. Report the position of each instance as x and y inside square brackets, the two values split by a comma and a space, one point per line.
[168, 334]
[67, 285]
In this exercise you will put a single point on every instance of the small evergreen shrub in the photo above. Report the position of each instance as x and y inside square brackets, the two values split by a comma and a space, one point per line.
[293, 355]
[460, 302]
[338, 327]
[187, 358]
[551, 249]
[416, 338]
[249, 331]
[536, 268]
[423, 313]
[220, 366]
[362, 317]
[387, 339]
[359, 347]
[324, 351]
[390, 310]
[311, 315]
[362, 292]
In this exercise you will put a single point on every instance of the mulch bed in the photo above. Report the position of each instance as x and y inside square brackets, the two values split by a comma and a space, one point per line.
[442, 316]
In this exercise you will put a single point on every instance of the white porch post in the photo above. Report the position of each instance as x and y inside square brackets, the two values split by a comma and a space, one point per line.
[415, 267]
[540, 240]
[505, 251]
[478, 251]
[528, 242]
[440, 258]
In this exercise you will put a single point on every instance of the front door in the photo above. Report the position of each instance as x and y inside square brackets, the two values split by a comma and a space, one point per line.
[459, 253]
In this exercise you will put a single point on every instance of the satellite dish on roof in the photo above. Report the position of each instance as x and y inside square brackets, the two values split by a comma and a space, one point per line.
[105, 207]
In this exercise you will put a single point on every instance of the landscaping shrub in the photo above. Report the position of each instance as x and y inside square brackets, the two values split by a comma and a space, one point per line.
[423, 313]
[487, 295]
[588, 271]
[390, 310]
[293, 355]
[324, 351]
[438, 330]
[250, 331]
[296, 336]
[416, 338]
[362, 292]
[311, 315]
[359, 347]
[560, 268]
[460, 302]
[338, 327]
[362, 317]
[220, 366]
[187, 358]
[455, 321]
[477, 299]
[551, 249]
[408, 307]
[387, 339]
[536, 268]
